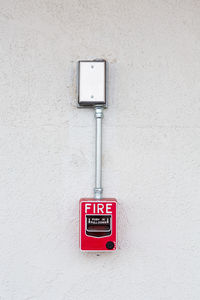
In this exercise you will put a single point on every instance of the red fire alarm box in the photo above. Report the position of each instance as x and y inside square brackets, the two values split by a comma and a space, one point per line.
[98, 224]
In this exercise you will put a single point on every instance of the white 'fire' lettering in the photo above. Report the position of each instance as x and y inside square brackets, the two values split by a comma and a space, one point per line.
[97, 208]
[108, 208]
[100, 208]
[87, 206]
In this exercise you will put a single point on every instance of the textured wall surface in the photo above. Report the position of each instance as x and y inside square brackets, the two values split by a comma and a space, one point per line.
[151, 148]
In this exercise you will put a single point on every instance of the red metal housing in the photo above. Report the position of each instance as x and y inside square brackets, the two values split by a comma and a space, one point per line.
[98, 228]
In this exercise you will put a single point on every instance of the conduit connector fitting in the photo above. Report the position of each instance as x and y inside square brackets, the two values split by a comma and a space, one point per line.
[99, 111]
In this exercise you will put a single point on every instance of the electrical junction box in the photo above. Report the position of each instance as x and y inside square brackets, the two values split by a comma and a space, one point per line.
[92, 82]
[98, 224]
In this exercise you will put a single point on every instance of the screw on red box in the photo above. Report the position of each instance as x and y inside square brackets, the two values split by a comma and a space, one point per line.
[98, 216]
[98, 224]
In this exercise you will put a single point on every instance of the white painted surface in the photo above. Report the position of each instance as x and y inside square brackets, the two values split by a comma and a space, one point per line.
[151, 148]
[91, 78]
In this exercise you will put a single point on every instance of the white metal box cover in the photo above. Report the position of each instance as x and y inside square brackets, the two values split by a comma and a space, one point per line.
[92, 83]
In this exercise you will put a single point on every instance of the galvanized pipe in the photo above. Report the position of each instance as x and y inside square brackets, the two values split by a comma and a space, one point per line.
[98, 190]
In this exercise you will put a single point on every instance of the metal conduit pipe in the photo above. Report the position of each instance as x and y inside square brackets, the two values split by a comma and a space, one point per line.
[98, 190]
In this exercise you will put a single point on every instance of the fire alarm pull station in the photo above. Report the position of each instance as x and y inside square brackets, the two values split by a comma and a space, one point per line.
[98, 215]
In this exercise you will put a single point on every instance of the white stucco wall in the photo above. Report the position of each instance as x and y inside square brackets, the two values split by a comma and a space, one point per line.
[151, 148]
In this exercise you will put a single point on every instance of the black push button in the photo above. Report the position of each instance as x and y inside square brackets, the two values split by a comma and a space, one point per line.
[110, 245]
